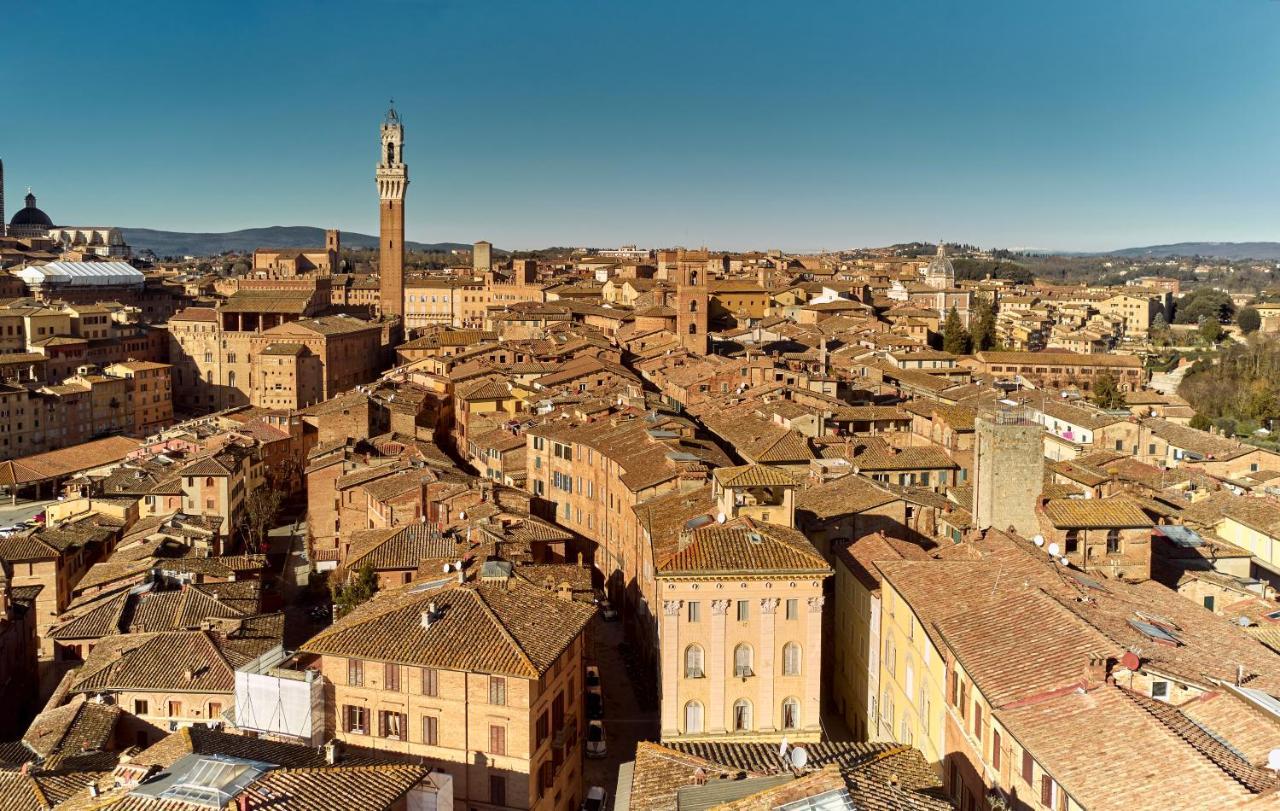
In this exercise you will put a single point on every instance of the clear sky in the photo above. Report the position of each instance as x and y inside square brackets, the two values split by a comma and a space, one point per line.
[1075, 125]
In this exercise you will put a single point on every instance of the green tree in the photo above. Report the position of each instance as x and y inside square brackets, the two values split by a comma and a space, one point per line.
[1106, 392]
[1248, 320]
[358, 589]
[1200, 422]
[955, 339]
[982, 325]
[1210, 330]
[1202, 303]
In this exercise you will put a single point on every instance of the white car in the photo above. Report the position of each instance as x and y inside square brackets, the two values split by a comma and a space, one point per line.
[596, 798]
[596, 746]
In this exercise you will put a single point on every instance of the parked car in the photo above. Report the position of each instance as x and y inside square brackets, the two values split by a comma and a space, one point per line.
[593, 676]
[596, 799]
[596, 746]
[606, 611]
[595, 704]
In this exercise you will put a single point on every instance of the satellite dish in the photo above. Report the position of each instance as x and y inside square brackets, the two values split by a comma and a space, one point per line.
[799, 757]
[720, 519]
[1038, 540]
[1273, 760]
[782, 748]
[1243, 622]
[1053, 549]
[1064, 561]
[446, 568]
[1130, 661]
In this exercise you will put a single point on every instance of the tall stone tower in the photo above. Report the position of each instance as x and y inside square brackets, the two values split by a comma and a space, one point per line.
[3, 222]
[393, 180]
[1008, 471]
[333, 248]
[692, 296]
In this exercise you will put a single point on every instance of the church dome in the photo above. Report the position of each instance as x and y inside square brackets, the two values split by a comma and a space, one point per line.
[31, 216]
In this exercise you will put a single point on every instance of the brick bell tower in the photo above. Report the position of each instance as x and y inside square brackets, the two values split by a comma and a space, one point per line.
[692, 296]
[393, 180]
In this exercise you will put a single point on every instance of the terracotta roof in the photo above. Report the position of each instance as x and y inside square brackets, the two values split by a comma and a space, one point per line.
[1095, 513]
[754, 476]
[80, 726]
[846, 495]
[509, 628]
[743, 545]
[62, 463]
[403, 547]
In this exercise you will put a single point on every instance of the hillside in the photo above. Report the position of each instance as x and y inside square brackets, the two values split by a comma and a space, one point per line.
[1217, 250]
[179, 243]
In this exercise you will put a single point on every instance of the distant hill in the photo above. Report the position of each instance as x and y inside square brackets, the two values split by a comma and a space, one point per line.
[1217, 250]
[179, 243]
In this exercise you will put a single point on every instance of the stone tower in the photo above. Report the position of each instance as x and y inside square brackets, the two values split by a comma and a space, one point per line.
[393, 180]
[1008, 475]
[333, 248]
[692, 295]
[3, 222]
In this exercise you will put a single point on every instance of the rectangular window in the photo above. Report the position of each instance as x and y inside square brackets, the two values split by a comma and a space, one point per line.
[995, 749]
[497, 690]
[497, 740]
[175, 709]
[1027, 766]
[391, 724]
[695, 611]
[140, 706]
[497, 789]
[793, 608]
[355, 672]
[430, 730]
[1046, 791]
[744, 611]
[977, 721]
[542, 729]
[391, 676]
[429, 685]
[355, 719]
[1160, 689]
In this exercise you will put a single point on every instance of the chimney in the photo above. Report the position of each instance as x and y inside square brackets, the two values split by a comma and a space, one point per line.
[565, 591]
[1095, 672]
[332, 752]
[93, 790]
[1239, 675]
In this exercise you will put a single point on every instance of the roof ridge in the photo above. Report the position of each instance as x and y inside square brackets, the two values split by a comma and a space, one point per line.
[502, 628]
[1254, 779]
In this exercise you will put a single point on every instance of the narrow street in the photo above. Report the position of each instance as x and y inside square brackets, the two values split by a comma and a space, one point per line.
[625, 722]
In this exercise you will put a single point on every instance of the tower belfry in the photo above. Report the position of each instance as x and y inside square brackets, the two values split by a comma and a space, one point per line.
[393, 179]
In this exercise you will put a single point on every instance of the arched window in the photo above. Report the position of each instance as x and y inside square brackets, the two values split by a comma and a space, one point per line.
[741, 715]
[693, 277]
[742, 660]
[693, 306]
[208, 377]
[1113, 542]
[693, 329]
[208, 481]
[692, 718]
[391, 152]
[231, 379]
[791, 659]
[1073, 541]
[693, 662]
[791, 713]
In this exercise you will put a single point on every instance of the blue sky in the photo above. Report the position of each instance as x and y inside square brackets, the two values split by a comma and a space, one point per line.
[1082, 125]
